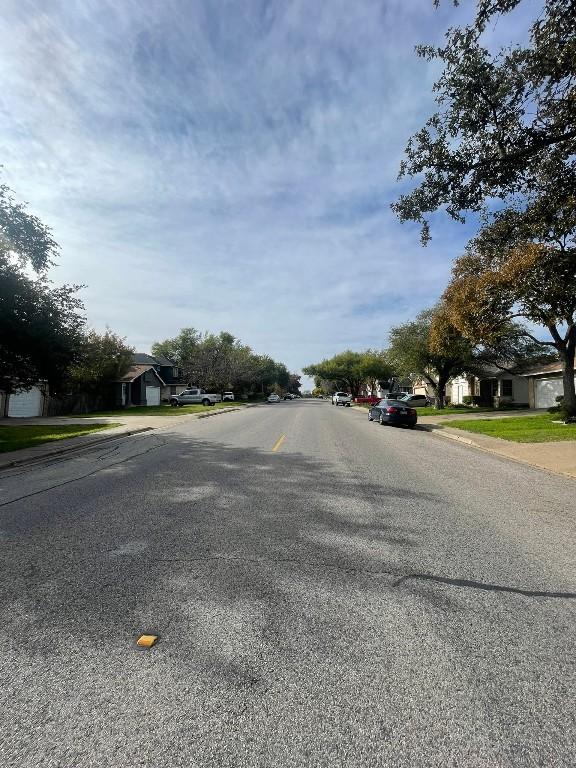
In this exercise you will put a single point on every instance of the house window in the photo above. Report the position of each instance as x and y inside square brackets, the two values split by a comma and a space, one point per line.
[506, 387]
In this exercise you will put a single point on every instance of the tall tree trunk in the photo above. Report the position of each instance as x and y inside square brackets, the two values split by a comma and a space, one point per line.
[567, 355]
[440, 390]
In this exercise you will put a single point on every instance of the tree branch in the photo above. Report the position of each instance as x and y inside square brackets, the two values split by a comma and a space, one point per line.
[526, 151]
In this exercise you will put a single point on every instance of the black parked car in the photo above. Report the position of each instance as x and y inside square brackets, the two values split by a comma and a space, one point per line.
[393, 412]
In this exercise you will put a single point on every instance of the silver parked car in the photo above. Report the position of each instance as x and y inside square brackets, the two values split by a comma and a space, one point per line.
[415, 401]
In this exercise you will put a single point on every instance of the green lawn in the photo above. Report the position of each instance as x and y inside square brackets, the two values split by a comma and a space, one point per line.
[520, 429]
[27, 435]
[448, 410]
[160, 410]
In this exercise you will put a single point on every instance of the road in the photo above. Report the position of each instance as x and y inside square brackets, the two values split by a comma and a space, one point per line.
[358, 596]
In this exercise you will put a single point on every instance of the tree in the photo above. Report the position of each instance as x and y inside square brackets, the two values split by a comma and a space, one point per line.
[23, 237]
[42, 325]
[104, 359]
[522, 264]
[222, 362]
[182, 350]
[412, 352]
[376, 368]
[505, 121]
[352, 370]
[41, 330]
[294, 384]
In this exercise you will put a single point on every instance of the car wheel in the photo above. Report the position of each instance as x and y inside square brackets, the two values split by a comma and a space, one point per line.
[369, 416]
[174, 403]
[205, 401]
[381, 420]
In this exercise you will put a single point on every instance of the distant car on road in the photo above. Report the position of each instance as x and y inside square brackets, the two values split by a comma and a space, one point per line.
[273, 398]
[393, 412]
[341, 398]
[288, 396]
[228, 396]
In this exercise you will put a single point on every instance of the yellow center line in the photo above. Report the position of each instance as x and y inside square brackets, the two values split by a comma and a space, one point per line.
[278, 443]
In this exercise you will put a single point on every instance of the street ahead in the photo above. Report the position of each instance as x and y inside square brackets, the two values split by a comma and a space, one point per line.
[327, 592]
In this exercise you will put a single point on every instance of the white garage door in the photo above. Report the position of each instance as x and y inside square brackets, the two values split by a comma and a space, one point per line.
[22, 404]
[152, 395]
[546, 392]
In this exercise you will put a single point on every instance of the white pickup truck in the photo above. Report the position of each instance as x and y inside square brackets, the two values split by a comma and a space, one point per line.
[341, 398]
[193, 397]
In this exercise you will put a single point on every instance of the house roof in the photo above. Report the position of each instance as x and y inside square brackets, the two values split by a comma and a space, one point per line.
[136, 371]
[142, 358]
[164, 360]
[555, 367]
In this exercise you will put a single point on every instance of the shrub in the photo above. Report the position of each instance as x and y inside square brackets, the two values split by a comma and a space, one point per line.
[561, 410]
[471, 400]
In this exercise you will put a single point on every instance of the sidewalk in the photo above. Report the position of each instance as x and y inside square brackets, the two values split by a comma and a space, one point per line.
[559, 457]
[128, 425]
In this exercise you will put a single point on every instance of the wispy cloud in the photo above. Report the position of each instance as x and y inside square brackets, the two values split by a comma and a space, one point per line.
[226, 165]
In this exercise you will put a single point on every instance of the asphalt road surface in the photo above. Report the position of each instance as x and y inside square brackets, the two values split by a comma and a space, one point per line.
[327, 592]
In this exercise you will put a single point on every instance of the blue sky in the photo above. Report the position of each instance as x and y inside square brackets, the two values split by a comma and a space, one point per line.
[228, 165]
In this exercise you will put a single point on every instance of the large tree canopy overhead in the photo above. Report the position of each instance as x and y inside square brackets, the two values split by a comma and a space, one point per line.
[505, 120]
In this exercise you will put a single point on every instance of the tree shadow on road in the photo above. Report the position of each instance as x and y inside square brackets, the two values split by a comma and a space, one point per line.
[241, 551]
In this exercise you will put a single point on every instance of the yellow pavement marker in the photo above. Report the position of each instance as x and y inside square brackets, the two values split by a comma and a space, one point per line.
[278, 443]
[146, 641]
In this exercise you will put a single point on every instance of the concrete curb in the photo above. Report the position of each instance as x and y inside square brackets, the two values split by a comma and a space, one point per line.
[450, 435]
[58, 451]
[525, 462]
[218, 412]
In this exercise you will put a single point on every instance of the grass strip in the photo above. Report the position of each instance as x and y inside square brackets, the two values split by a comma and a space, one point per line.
[159, 410]
[519, 429]
[14, 438]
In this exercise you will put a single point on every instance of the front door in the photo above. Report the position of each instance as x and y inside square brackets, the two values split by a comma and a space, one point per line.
[486, 392]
